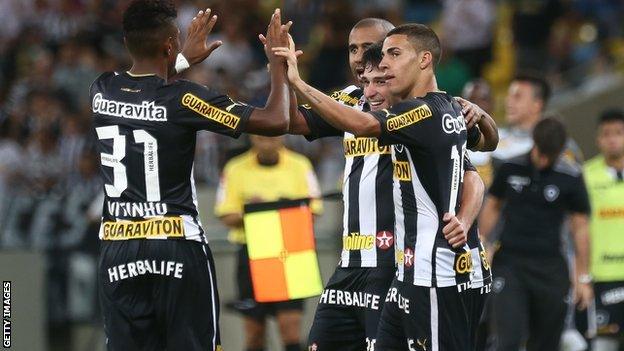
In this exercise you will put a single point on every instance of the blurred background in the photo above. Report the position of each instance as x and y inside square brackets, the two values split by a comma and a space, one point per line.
[51, 51]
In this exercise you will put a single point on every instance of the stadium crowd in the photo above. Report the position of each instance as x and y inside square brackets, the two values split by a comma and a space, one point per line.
[51, 51]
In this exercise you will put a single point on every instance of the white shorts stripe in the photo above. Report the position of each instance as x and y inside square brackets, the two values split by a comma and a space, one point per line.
[433, 300]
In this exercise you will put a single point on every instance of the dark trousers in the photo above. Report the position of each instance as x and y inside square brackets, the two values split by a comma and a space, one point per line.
[528, 301]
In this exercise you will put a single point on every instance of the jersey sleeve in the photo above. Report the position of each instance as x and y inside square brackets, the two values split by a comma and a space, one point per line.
[473, 137]
[468, 166]
[202, 108]
[578, 199]
[319, 128]
[409, 123]
[499, 183]
[229, 196]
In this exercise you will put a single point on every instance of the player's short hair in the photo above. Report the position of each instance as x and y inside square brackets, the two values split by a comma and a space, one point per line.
[146, 23]
[422, 37]
[550, 136]
[373, 22]
[372, 56]
[611, 115]
[541, 88]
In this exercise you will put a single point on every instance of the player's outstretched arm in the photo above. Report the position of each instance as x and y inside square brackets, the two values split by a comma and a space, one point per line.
[196, 47]
[456, 229]
[273, 119]
[475, 115]
[340, 116]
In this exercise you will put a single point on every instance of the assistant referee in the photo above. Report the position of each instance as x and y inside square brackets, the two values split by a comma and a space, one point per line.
[534, 193]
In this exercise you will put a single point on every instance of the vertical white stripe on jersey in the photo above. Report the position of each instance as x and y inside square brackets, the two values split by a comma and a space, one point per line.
[476, 277]
[212, 278]
[367, 207]
[433, 300]
[194, 195]
[426, 229]
[399, 223]
[344, 256]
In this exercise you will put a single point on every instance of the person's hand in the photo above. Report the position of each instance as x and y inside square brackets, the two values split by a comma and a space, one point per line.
[196, 49]
[291, 61]
[583, 295]
[454, 231]
[276, 36]
[472, 112]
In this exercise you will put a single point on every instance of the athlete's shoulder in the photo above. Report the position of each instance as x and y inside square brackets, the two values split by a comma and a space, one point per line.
[594, 164]
[100, 82]
[567, 167]
[297, 159]
[350, 95]
[240, 162]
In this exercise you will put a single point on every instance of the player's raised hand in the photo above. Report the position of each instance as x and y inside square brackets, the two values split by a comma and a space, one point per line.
[196, 48]
[454, 231]
[290, 55]
[472, 112]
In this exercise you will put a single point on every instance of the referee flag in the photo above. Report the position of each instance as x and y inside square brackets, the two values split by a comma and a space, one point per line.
[282, 255]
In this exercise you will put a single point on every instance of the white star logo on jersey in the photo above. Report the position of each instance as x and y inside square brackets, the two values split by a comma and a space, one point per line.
[313, 347]
[385, 239]
[408, 257]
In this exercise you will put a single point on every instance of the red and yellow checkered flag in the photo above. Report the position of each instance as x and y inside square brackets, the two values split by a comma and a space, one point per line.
[282, 253]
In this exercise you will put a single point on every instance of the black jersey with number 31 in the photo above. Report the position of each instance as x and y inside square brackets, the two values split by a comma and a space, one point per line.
[429, 137]
[146, 130]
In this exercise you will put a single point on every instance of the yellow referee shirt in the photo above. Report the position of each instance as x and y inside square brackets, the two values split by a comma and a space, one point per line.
[245, 181]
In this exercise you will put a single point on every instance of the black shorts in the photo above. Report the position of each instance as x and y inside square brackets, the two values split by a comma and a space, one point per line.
[423, 318]
[349, 309]
[608, 318]
[158, 295]
[246, 304]
[475, 300]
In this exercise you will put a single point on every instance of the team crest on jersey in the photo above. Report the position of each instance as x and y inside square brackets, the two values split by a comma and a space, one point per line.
[408, 118]
[216, 114]
[385, 239]
[313, 347]
[551, 193]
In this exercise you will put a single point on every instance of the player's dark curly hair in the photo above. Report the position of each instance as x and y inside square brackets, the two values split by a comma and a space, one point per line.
[146, 23]
[372, 56]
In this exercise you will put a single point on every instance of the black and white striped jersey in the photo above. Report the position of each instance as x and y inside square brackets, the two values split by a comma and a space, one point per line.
[368, 219]
[146, 130]
[429, 137]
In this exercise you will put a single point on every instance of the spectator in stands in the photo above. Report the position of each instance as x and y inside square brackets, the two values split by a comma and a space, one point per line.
[251, 178]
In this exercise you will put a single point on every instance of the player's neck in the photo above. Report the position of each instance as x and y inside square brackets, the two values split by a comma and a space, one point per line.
[144, 67]
[427, 84]
[615, 162]
[528, 124]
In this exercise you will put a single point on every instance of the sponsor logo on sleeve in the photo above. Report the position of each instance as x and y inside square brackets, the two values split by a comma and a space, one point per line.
[408, 118]
[213, 113]
[344, 98]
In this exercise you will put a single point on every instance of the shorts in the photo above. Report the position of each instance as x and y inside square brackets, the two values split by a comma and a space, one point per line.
[246, 304]
[348, 312]
[607, 318]
[424, 318]
[158, 295]
[475, 300]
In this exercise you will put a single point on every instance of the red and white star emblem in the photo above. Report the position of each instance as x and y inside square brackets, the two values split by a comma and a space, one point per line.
[408, 257]
[385, 240]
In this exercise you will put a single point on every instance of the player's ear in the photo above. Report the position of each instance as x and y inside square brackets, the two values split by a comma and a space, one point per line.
[169, 47]
[426, 59]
